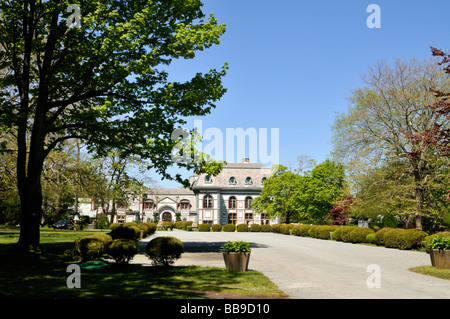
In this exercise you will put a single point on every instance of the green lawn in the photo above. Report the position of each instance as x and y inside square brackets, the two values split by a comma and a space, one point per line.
[43, 274]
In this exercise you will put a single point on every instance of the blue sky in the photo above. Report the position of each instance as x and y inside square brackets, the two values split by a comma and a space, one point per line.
[293, 62]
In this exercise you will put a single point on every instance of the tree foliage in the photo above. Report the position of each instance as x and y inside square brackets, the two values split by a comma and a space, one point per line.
[105, 82]
[373, 131]
[306, 197]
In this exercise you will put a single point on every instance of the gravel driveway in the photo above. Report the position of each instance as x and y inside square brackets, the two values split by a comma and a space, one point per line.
[314, 268]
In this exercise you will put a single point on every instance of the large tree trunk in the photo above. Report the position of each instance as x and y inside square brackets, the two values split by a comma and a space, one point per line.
[31, 203]
[419, 197]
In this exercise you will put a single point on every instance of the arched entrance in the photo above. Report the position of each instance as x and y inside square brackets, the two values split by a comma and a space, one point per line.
[166, 217]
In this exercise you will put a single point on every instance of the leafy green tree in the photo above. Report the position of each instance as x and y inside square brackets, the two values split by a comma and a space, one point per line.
[277, 196]
[103, 80]
[382, 114]
[308, 196]
[320, 189]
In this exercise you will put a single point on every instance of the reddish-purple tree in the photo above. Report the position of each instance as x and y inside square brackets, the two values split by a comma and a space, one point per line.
[341, 209]
[438, 137]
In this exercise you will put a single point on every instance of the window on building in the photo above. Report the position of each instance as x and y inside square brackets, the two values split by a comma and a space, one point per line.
[232, 180]
[185, 204]
[232, 202]
[232, 218]
[248, 217]
[248, 181]
[264, 219]
[149, 204]
[248, 202]
[263, 180]
[207, 201]
[208, 179]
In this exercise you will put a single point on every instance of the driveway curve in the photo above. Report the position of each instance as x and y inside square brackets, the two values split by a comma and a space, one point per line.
[306, 268]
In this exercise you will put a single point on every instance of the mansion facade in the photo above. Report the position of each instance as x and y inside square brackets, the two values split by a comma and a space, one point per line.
[223, 199]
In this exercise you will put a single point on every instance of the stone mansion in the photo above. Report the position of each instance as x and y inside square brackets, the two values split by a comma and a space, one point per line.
[223, 199]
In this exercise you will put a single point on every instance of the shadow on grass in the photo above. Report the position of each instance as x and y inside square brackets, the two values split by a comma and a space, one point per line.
[43, 275]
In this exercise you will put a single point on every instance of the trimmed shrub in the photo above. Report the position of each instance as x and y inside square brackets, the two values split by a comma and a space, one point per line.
[276, 228]
[122, 250]
[312, 232]
[359, 235]
[229, 228]
[168, 225]
[286, 228]
[371, 238]
[89, 248]
[379, 235]
[164, 251]
[216, 227]
[204, 227]
[266, 228]
[129, 224]
[114, 226]
[341, 233]
[179, 224]
[103, 237]
[301, 230]
[411, 239]
[255, 228]
[323, 232]
[242, 228]
[123, 232]
[391, 238]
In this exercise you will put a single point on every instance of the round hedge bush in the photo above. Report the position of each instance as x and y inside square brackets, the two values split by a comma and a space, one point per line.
[391, 238]
[89, 248]
[266, 228]
[255, 228]
[301, 230]
[216, 227]
[122, 250]
[113, 226]
[370, 238]
[229, 228]
[123, 232]
[411, 238]
[276, 228]
[323, 232]
[379, 235]
[286, 228]
[204, 227]
[359, 235]
[164, 251]
[242, 228]
[341, 233]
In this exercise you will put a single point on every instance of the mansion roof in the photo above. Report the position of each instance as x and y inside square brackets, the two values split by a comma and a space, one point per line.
[234, 176]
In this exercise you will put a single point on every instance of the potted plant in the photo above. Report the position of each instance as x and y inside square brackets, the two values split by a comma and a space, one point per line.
[236, 255]
[439, 249]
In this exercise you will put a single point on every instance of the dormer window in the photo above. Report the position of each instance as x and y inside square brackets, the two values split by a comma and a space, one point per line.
[208, 179]
[248, 181]
[232, 180]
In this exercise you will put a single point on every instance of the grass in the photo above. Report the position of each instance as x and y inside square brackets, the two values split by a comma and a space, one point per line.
[432, 271]
[43, 274]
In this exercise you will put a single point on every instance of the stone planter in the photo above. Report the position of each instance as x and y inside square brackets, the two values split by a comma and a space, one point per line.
[236, 261]
[440, 258]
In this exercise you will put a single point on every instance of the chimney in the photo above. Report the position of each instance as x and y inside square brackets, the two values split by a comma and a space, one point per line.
[246, 160]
